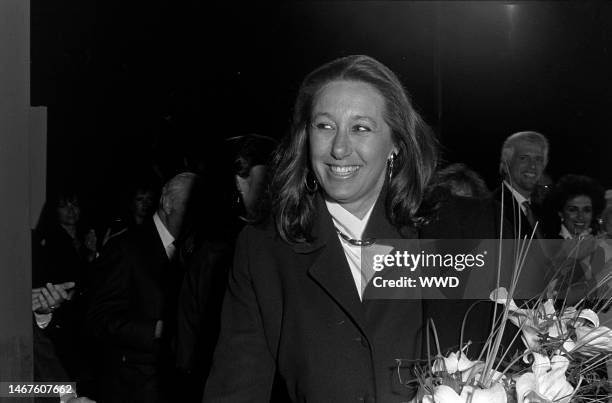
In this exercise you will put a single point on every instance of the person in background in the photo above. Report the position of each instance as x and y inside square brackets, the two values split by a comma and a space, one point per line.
[133, 309]
[140, 206]
[206, 268]
[47, 365]
[462, 181]
[524, 157]
[605, 223]
[603, 260]
[65, 245]
[252, 154]
[608, 197]
[63, 250]
[577, 200]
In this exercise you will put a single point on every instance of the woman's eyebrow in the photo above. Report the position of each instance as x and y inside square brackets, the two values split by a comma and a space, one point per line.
[321, 114]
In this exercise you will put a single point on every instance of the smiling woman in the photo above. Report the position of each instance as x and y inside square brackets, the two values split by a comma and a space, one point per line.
[353, 169]
[350, 144]
[359, 122]
[577, 200]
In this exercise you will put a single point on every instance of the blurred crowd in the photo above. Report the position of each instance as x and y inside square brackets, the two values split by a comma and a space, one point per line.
[130, 310]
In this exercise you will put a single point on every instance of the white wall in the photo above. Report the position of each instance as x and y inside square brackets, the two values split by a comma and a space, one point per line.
[15, 261]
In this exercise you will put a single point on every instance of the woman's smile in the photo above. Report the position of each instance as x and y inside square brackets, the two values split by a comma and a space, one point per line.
[344, 171]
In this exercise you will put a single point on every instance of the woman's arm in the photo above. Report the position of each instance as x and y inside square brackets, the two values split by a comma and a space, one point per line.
[243, 365]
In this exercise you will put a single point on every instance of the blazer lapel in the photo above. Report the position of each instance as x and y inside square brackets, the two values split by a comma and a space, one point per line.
[514, 213]
[379, 226]
[330, 268]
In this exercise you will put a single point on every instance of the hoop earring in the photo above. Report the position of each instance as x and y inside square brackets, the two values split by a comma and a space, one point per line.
[312, 185]
[390, 163]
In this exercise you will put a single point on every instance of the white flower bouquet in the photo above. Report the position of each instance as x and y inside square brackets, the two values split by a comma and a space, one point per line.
[564, 358]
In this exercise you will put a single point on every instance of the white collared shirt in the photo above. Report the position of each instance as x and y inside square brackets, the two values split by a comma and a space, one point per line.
[165, 236]
[520, 199]
[565, 234]
[352, 227]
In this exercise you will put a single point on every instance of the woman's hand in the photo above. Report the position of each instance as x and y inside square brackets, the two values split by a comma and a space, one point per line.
[52, 296]
[91, 241]
[91, 244]
[576, 249]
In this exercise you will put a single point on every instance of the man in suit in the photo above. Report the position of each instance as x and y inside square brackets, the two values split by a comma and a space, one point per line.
[134, 303]
[524, 157]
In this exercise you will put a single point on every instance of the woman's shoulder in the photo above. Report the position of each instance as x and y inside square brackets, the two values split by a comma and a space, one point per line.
[259, 232]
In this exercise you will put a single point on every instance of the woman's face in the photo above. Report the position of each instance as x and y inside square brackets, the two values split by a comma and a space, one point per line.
[462, 189]
[68, 212]
[142, 203]
[350, 143]
[577, 214]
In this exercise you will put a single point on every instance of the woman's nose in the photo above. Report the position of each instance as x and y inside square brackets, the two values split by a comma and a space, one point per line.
[341, 146]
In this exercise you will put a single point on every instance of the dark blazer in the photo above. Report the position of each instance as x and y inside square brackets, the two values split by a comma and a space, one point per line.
[47, 365]
[60, 258]
[537, 269]
[135, 285]
[199, 313]
[513, 213]
[295, 309]
[57, 258]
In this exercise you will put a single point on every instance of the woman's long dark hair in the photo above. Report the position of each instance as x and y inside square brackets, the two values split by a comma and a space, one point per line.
[293, 205]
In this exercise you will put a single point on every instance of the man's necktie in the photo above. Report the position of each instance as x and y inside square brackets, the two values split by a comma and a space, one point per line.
[531, 218]
[171, 250]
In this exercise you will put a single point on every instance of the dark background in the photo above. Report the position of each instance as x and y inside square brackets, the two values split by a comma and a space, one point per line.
[128, 83]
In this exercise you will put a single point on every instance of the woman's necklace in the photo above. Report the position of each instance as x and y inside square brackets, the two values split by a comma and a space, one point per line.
[356, 242]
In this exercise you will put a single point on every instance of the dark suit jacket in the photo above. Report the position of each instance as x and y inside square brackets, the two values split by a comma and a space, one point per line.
[56, 260]
[513, 213]
[199, 312]
[135, 286]
[537, 270]
[295, 308]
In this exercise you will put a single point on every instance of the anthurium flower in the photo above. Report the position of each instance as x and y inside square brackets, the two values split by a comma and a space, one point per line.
[544, 320]
[466, 368]
[546, 382]
[532, 322]
[579, 318]
[455, 362]
[592, 340]
[445, 394]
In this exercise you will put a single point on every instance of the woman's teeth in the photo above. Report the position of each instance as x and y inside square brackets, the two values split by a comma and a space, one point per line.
[344, 170]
